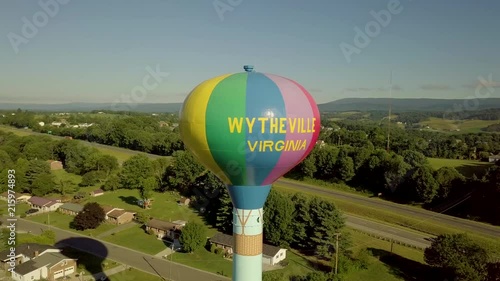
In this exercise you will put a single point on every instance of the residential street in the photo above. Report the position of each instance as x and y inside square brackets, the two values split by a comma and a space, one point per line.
[145, 262]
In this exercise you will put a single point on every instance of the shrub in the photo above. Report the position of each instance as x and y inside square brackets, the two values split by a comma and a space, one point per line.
[363, 259]
[213, 248]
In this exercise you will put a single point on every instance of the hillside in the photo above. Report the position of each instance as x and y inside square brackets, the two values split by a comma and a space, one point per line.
[348, 104]
[401, 105]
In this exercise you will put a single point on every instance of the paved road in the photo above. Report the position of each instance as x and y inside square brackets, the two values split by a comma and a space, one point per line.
[141, 261]
[424, 215]
[412, 238]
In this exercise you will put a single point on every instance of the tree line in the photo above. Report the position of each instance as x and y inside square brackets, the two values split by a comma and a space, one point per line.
[133, 131]
[405, 178]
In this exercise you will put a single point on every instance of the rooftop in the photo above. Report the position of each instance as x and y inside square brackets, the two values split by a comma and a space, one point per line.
[227, 240]
[162, 225]
[72, 207]
[116, 213]
[107, 208]
[39, 201]
[28, 250]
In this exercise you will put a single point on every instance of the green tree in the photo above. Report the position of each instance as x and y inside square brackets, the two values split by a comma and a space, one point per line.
[90, 217]
[193, 237]
[112, 183]
[160, 167]
[35, 169]
[345, 167]
[327, 220]
[42, 185]
[414, 158]
[224, 215]
[5, 161]
[426, 186]
[447, 178]
[302, 221]
[279, 210]
[183, 172]
[146, 191]
[93, 177]
[458, 257]
[142, 217]
[135, 170]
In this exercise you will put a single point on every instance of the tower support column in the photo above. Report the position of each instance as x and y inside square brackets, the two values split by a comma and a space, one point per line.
[247, 242]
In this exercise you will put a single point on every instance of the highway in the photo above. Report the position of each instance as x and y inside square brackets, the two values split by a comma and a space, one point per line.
[412, 238]
[424, 215]
[141, 261]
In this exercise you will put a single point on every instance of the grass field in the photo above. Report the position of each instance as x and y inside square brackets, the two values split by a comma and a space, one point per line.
[133, 274]
[465, 167]
[62, 221]
[462, 126]
[204, 260]
[149, 244]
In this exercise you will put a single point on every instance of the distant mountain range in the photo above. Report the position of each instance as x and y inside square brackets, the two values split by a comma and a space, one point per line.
[348, 104]
[86, 107]
[371, 104]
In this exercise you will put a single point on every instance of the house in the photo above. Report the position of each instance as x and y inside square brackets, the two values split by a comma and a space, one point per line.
[119, 216]
[24, 253]
[57, 124]
[97, 192]
[70, 209]
[271, 255]
[50, 266]
[41, 124]
[164, 229]
[107, 210]
[494, 158]
[44, 204]
[55, 165]
[184, 201]
[20, 197]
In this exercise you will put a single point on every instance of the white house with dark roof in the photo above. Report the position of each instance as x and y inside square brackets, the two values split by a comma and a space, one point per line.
[50, 266]
[44, 204]
[271, 255]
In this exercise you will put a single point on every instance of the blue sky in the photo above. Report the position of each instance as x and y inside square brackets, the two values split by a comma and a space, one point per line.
[98, 51]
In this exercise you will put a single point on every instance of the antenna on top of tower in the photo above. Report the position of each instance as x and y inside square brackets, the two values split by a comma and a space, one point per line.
[390, 112]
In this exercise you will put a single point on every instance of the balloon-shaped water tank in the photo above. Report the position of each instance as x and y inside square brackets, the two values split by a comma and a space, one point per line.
[249, 129]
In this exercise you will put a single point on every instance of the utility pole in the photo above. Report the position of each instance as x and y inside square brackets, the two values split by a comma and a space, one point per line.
[336, 252]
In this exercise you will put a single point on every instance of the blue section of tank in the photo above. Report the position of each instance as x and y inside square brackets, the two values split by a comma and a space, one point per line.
[264, 105]
[249, 197]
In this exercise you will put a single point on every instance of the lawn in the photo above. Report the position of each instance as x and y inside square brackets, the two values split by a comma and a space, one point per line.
[164, 207]
[361, 240]
[62, 221]
[297, 266]
[465, 167]
[204, 260]
[463, 126]
[148, 243]
[21, 208]
[89, 263]
[133, 274]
